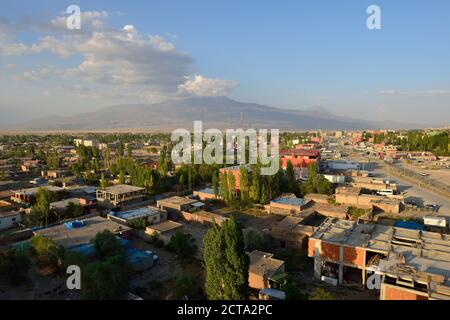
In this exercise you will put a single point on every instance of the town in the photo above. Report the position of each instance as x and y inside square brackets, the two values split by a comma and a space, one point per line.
[348, 215]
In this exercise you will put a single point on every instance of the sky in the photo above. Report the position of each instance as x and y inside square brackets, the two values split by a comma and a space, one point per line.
[286, 54]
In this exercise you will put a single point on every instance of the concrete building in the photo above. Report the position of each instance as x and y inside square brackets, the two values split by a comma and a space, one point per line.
[9, 219]
[353, 197]
[164, 230]
[409, 264]
[287, 205]
[61, 206]
[290, 233]
[28, 196]
[300, 160]
[120, 196]
[178, 204]
[205, 194]
[265, 271]
[204, 217]
[83, 233]
[151, 214]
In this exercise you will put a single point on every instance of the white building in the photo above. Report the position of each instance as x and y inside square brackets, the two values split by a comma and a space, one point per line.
[9, 219]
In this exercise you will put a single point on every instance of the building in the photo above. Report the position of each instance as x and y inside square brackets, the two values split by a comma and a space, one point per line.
[151, 214]
[178, 204]
[287, 205]
[205, 194]
[300, 160]
[353, 197]
[236, 171]
[290, 233]
[410, 264]
[164, 230]
[9, 219]
[28, 196]
[56, 174]
[76, 233]
[61, 206]
[204, 217]
[342, 165]
[265, 271]
[122, 196]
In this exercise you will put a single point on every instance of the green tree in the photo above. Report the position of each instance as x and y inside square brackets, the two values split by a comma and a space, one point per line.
[104, 183]
[290, 176]
[226, 262]
[215, 183]
[104, 280]
[14, 265]
[41, 215]
[186, 285]
[122, 177]
[321, 294]
[47, 252]
[107, 245]
[255, 189]
[73, 210]
[244, 183]
[129, 150]
[253, 239]
[182, 244]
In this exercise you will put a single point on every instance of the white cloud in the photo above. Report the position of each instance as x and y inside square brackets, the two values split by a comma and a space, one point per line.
[202, 86]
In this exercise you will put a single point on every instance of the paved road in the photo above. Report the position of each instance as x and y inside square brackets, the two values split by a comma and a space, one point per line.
[413, 191]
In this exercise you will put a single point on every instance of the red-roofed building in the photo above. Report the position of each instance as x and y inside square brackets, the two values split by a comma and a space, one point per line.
[300, 160]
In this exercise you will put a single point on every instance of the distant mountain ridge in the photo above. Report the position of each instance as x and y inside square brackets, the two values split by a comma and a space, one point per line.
[215, 112]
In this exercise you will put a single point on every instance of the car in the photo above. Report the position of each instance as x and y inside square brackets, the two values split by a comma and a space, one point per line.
[434, 207]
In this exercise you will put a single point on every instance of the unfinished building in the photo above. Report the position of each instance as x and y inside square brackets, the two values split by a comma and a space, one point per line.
[120, 196]
[411, 264]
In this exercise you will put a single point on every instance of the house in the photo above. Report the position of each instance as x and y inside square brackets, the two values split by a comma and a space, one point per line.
[164, 230]
[265, 271]
[300, 160]
[353, 197]
[120, 196]
[287, 205]
[410, 264]
[205, 194]
[30, 165]
[56, 174]
[76, 233]
[61, 206]
[204, 217]
[9, 219]
[290, 233]
[151, 214]
[178, 204]
[28, 196]
[236, 171]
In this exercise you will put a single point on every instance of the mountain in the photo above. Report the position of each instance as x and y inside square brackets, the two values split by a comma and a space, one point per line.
[215, 112]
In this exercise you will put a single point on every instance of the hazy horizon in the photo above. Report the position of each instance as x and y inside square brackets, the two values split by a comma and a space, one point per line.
[290, 55]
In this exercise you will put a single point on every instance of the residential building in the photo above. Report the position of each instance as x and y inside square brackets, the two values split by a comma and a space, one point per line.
[300, 160]
[287, 205]
[265, 271]
[410, 264]
[236, 171]
[178, 204]
[9, 219]
[152, 214]
[122, 196]
[28, 196]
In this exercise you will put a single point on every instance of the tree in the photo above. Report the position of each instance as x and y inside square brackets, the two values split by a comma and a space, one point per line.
[41, 215]
[120, 149]
[186, 285]
[104, 183]
[47, 252]
[244, 183]
[253, 240]
[321, 294]
[122, 177]
[182, 244]
[129, 150]
[226, 262]
[14, 265]
[107, 245]
[223, 186]
[290, 176]
[73, 210]
[104, 280]
[231, 187]
[316, 183]
[215, 183]
[255, 189]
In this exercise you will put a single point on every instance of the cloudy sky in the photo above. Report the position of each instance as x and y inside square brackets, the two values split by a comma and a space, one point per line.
[287, 54]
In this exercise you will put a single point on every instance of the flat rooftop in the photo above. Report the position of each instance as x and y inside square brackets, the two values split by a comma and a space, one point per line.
[177, 200]
[33, 191]
[82, 235]
[136, 213]
[263, 263]
[291, 201]
[205, 190]
[64, 203]
[165, 226]
[122, 188]
[348, 190]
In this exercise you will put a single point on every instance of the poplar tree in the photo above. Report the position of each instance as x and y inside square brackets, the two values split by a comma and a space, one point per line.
[226, 262]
